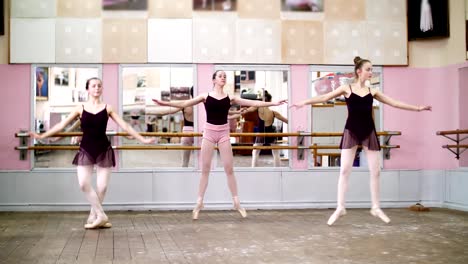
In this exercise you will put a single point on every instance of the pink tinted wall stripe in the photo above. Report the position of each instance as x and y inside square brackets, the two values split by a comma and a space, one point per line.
[420, 146]
[299, 91]
[16, 113]
[204, 85]
[110, 81]
[463, 108]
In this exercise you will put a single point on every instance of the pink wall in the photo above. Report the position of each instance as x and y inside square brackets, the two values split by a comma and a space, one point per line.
[16, 113]
[110, 80]
[204, 85]
[444, 88]
[463, 97]
[299, 92]
[420, 146]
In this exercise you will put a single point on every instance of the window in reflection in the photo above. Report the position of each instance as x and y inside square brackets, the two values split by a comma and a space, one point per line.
[58, 89]
[141, 84]
[331, 116]
[258, 84]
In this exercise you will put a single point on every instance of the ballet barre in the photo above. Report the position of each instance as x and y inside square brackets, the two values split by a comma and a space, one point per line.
[459, 148]
[24, 147]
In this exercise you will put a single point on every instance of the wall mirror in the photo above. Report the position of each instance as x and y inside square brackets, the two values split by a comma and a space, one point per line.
[57, 90]
[140, 84]
[258, 83]
[331, 116]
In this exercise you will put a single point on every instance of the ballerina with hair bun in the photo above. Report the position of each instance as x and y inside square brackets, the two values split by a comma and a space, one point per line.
[360, 131]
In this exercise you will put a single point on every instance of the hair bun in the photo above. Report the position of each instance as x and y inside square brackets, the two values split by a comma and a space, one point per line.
[357, 59]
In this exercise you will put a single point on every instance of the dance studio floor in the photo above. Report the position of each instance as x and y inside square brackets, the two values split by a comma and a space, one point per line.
[286, 236]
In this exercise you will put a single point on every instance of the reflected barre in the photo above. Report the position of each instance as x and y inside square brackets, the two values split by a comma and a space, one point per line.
[459, 148]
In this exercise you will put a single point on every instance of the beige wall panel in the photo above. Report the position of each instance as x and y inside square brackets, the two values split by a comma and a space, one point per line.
[344, 41]
[302, 42]
[170, 40]
[124, 41]
[386, 10]
[32, 40]
[170, 9]
[386, 42]
[345, 10]
[258, 41]
[4, 40]
[33, 8]
[214, 40]
[266, 9]
[78, 40]
[79, 8]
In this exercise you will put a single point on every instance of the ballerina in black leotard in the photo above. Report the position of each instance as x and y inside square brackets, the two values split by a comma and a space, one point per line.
[360, 130]
[266, 118]
[95, 148]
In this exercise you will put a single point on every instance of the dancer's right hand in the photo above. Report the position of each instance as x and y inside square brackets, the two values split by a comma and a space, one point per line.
[160, 102]
[35, 135]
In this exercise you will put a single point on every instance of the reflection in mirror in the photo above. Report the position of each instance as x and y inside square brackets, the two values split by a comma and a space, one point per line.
[331, 116]
[57, 91]
[140, 85]
[271, 84]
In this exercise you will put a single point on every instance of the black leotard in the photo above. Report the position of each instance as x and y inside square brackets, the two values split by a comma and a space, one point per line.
[265, 129]
[360, 127]
[217, 110]
[186, 122]
[95, 148]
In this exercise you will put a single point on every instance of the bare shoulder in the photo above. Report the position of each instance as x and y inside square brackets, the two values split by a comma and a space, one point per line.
[109, 109]
[375, 91]
[78, 110]
[344, 89]
[202, 97]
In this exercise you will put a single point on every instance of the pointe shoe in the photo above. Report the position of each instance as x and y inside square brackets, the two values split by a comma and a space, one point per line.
[339, 212]
[242, 212]
[107, 225]
[377, 212]
[237, 207]
[99, 222]
[196, 210]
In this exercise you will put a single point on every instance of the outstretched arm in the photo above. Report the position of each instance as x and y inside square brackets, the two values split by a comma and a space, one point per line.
[182, 104]
[392, 102]
[58, 127]
[322, 98]
[255, 103]
[165, 111]
[280, 117]
[125, 126]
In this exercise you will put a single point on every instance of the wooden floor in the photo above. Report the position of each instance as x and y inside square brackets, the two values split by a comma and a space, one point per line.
[286, 236]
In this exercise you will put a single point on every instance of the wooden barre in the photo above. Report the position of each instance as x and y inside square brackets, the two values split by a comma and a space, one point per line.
[452, 132]
[146, 147]
[455, 146]
[247, 134]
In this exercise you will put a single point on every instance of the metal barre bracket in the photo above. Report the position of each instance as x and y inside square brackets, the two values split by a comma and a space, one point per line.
[23, 142]
[386, 139]
[300, 144]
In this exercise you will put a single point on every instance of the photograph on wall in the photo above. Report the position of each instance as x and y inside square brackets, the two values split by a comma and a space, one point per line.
[214, 5]
[42, 83]
[61, 77]
[180, 93]
[302, 5]
[165, 96]
[428, 19]
[125, 5]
